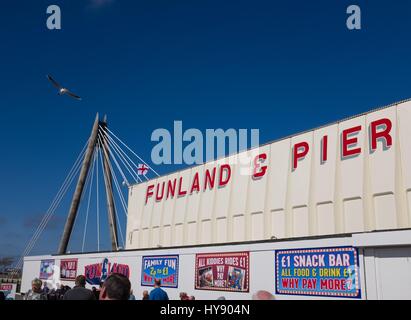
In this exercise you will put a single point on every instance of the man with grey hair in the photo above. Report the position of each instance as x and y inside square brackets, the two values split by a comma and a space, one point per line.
[35, 293]
[263, 295]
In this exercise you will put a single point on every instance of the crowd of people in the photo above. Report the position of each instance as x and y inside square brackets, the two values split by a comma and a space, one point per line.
[115, 287]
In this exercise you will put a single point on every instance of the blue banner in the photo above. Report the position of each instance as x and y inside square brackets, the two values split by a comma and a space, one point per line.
[332, 272]
[164, 268]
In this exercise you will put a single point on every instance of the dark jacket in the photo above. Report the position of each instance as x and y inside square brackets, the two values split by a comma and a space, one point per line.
[79, 293]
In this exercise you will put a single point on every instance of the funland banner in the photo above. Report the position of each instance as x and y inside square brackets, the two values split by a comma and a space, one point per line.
[46, 269]
[164, 268]
[68, 269]
[332, 272]
[97, 273]
[222, 271]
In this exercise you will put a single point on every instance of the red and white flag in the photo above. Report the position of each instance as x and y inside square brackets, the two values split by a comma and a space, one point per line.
[142, 169]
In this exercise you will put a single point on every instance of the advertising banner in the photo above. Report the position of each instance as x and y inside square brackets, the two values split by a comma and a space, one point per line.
[222, 271]
[46, 269]
[9, 290]
[68, 269]
[332, 272]
[164, 268]
[97, 273]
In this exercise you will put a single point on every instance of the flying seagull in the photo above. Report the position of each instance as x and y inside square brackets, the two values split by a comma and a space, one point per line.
[61, 89]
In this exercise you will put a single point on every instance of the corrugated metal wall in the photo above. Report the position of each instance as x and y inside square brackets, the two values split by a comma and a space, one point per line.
[369, 191]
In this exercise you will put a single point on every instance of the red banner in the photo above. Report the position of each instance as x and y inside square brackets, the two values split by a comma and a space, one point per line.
[68, 269]
[222, 271]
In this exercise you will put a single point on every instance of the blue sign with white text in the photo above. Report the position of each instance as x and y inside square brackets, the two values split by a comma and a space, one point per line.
[164, 268]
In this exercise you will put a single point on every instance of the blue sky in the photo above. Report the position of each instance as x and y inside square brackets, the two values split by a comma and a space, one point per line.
[281, 67]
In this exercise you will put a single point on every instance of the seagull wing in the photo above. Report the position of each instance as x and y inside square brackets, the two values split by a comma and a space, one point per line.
[71, 94]
[53, 82]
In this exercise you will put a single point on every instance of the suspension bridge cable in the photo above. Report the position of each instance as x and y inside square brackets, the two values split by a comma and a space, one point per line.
[122, 200]
[58, 197]
[120, 195]
[130, 168]
[123, 154]
[106, 177]
[120, 152]
[122, 204]
[121, 232]
[118, 166]
[48, 216]
[54, 205]
[123, 160]
[86, 186]
[131, 151]
[97, 205]
[56, 201]
[89, 199]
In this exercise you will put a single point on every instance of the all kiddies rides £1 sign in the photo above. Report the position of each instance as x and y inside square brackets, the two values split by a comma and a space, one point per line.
[318, 272]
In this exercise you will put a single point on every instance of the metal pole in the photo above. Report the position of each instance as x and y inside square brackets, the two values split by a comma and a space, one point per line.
[79, 189]
[111, 210]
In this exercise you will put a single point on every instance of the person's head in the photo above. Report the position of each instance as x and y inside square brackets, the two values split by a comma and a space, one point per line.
[145, 293]
[115, 287]
[183, 296]
[93, 289]
[45, 284]
[192, 298]
[263, 295]
[221, 298]
[157, 282]
[36, 285]
[80, 281]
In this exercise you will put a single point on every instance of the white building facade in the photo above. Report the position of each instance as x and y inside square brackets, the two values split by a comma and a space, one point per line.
[325, 214]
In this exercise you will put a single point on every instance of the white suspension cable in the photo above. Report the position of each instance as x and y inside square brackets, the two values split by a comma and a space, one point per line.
[55, 203]
[58, 197]
[126, 163]
[123, 155]
[86, 187]
[88, 202]
[121, 232]
[97, 207]
[47, 218]
[106, 175]
[122, 200]
[130, 168]
[132, 151]
[117, 164]
[113, 174]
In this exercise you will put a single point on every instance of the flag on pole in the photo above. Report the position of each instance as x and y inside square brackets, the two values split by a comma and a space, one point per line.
[142, 169]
